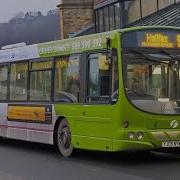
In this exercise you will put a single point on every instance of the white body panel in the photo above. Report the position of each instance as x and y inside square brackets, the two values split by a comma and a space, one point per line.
[19, 54]
[34, 132]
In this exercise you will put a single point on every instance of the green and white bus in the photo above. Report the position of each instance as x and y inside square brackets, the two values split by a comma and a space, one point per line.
[114, 91]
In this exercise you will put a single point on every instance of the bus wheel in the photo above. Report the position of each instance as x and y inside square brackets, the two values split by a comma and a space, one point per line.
[64, 138]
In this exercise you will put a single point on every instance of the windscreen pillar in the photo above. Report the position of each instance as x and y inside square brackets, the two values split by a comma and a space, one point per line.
[74, 16]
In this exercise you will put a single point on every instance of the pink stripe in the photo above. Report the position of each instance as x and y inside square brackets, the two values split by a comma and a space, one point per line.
[33, 129]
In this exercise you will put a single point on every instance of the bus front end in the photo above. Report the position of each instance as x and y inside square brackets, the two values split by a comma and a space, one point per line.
[149, 95]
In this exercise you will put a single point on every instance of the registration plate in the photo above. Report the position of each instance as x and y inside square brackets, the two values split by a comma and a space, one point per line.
[171, 144]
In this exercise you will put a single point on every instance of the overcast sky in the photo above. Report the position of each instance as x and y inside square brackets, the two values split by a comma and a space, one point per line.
[8, 8]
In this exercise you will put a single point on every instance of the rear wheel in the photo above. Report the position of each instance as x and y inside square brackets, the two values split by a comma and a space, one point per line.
[64, 138]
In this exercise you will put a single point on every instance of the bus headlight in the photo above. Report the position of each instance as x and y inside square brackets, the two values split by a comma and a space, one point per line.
[131, 135]
[140, 136]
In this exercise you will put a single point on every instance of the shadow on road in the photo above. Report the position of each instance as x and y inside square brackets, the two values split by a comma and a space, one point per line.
[125, 158]
[129, 158]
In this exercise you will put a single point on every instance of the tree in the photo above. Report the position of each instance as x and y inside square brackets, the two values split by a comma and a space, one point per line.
[31, 28]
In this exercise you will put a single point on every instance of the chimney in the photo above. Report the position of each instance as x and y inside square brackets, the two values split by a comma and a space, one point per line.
[75, 15]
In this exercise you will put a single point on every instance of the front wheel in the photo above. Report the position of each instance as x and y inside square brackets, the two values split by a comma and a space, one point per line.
[64, 138]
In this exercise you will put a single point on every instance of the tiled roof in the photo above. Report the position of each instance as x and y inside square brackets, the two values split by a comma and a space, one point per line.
[98, 1]
[85, 31]
[169, 16]
[101, 3]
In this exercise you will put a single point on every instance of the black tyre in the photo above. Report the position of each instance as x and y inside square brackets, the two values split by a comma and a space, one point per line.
[64, 138]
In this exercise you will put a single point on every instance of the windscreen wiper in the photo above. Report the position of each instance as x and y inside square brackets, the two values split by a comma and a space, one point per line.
[174, 58]
[145, 57]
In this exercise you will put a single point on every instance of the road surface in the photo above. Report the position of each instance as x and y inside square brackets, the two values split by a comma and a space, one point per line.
[31, 161]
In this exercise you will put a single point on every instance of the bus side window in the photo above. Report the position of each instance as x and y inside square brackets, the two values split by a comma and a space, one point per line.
[98, 78]
[18, 81]
[41, 80]
[3, 82]
[67, 84]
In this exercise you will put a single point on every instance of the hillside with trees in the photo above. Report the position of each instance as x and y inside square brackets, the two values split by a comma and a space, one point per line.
[31, 27]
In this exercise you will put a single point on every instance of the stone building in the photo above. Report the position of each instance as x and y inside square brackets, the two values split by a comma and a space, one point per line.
[75, 15]
[81, 17]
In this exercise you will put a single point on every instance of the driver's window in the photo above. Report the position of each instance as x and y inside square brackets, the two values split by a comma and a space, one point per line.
[67, 79]
[138, 78]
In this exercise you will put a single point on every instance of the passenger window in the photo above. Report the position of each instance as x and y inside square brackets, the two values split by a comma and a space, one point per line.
[18, 81]
[67, 85]
[40, 80]
[98, 78]
[3, 82]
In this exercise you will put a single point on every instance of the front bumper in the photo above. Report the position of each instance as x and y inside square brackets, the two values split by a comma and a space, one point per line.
[127, 145]
[152, 141]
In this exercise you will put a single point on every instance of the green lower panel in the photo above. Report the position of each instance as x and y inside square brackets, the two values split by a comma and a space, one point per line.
[125, 145]
[102, 144]
[92, 143]
[94, 129]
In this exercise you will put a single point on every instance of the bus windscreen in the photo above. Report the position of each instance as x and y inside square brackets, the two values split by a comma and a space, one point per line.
[157, 38]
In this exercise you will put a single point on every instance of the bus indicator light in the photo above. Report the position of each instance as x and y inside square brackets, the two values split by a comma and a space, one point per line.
[178, 40]
[126, 124]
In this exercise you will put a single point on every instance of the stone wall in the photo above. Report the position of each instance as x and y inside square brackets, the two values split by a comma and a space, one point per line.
[75, 15]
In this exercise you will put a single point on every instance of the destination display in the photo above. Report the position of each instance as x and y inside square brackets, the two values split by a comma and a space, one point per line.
[151, 39]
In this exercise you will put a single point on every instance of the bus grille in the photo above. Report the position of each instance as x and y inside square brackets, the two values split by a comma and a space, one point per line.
[166, 136]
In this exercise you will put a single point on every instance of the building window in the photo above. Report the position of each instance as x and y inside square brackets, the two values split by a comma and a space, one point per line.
[112, 17]
[141, 8]
[108, 17]
[117, 15]
[96, 21]
[101, 25]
